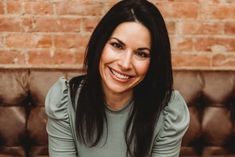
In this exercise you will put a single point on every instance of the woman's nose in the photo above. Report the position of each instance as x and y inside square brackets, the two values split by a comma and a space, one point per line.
[126, 60]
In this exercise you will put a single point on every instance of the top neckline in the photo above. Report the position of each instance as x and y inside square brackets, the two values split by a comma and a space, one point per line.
[123, 109]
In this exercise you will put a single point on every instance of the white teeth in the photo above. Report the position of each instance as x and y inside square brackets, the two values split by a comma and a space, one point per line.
[120, 76]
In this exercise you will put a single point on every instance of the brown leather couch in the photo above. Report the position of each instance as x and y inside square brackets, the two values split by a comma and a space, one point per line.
[210, 96]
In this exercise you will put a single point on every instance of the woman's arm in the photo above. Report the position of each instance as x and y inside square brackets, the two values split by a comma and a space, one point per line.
[174, 125]
[61, 141]
[60, 137]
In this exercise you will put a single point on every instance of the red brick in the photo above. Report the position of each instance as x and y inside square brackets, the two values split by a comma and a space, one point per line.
[223, 60]
[10, 24]
[1, 42]
[57, 25]
[179, 9]
[215, 44]
[89, 24]
[230, 1]
[27, 24]
[71, 41]
[198, 27]
[170, 1]
[28, 41]
[14, 7]
[81, 8]
[44, 57]
[79, 57]
[191, 60]
[64, 57]
[1, 8]
[230, 28]
[38, 8]
[219, 12]
[11, 57]
[217, 1]
[170, 27]
[182, 44]
[40, 57]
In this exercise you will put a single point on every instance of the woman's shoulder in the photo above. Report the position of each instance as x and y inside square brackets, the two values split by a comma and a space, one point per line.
[60, 96]
[175, 117]
[176, 105]
[57, 99]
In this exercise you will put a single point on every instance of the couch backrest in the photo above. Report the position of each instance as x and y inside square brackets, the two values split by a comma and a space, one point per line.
[210, 97]
[209, 94]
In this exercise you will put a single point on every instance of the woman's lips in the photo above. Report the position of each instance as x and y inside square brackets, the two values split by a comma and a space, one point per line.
[120, 76]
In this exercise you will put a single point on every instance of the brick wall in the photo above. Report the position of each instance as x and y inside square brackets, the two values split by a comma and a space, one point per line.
[54, 33]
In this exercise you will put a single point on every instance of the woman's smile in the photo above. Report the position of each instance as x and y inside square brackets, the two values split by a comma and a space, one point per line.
[119, 76]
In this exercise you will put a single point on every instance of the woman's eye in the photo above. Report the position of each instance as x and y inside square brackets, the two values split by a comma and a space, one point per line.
[117, 45]
[142, 54]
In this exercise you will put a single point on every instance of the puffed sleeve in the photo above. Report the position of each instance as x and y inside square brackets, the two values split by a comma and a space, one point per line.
[175, 123]
[61, 140]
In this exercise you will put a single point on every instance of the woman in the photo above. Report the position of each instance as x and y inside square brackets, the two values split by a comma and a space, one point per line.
[125, 104]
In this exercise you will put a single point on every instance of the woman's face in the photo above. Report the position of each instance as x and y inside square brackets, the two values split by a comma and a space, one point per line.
[125, 58]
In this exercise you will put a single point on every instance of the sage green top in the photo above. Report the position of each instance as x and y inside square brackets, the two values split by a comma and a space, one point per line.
[170, 128]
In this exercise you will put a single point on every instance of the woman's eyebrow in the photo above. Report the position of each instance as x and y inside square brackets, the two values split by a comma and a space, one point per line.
[122, 43]
[144, 48]
[118, 40]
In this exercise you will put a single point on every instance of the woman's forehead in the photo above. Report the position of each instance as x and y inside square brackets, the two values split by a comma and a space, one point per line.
[132, 32]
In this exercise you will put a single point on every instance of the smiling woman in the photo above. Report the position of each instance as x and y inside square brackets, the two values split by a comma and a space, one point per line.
[125, 105]
[124, 62]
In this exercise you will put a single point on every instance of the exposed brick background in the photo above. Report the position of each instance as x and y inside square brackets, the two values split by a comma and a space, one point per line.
[54, 33]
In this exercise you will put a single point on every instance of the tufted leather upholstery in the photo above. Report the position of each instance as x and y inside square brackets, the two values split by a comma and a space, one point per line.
[209, 94]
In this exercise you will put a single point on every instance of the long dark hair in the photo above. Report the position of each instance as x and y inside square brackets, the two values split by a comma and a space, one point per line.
[151, 95]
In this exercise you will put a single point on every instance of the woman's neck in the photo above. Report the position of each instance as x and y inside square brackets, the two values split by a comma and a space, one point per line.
[117, 101]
